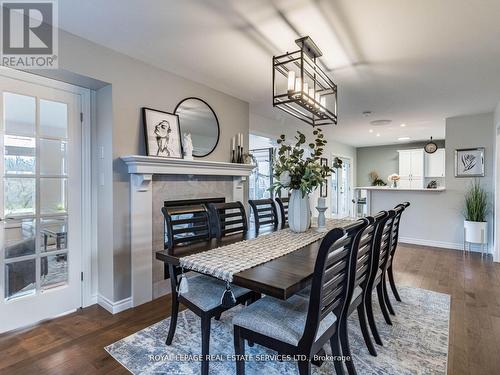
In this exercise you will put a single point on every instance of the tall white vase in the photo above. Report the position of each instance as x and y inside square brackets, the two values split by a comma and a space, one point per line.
[299, 212]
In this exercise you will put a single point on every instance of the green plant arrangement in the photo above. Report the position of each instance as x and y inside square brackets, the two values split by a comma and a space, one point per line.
[292, 170]
[375, 179]
[476, 203]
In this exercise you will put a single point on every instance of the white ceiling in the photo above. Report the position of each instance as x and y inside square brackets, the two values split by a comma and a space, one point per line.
[414, 62]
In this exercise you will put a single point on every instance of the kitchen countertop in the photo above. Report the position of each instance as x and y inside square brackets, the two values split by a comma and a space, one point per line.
[387, 188]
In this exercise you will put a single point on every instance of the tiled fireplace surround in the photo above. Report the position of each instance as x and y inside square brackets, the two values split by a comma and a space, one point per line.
[153, 181]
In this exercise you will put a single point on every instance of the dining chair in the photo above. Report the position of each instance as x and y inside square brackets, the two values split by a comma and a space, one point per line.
[380, 259]
[264, 212]
[394, 245]
[301, 326]
[187, 225]
[230, 218]
[283, 206]
[360, 271]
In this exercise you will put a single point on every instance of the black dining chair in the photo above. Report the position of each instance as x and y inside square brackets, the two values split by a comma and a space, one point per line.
[301, 326]
[400, 208]
[229, 218]
[360, 271]
[264, 212]
[283, 206]
[187, 225]
[380, 259]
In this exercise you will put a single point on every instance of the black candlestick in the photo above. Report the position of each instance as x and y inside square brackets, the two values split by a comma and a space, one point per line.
[233, 156]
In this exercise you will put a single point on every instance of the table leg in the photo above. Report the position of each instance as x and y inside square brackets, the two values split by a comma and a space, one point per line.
[175, 304]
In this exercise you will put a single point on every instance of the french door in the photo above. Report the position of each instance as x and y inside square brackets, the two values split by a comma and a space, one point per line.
[341, 190]
[40, 202]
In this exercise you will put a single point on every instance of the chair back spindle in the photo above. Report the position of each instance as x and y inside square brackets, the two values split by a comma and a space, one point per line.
[264, 212]
[230, 218]
[283, 207]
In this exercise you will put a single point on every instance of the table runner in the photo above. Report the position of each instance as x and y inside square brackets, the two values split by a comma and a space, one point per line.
[225, 261]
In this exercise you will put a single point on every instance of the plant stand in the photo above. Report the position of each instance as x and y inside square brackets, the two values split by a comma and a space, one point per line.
[482, 242]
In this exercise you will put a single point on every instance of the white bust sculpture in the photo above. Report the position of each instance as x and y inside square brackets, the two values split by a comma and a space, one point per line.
[187, 144]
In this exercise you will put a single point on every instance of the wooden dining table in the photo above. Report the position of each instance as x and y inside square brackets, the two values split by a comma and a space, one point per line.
[280, 278]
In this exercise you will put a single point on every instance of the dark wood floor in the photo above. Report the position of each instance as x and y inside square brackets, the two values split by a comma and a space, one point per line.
[74, 344]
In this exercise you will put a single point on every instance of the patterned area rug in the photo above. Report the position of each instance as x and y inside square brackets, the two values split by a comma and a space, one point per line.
[416, 343]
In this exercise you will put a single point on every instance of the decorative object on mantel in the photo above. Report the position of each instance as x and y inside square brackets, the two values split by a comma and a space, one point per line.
[237, 155]
[187, 146]
[197, 118]
[162, 133]
[323, 189]
[302, 175]
[375, 179]
[393, 179]
[469, 162]
[310, 96]
[475, 212]
[431, 147]
[321, 207]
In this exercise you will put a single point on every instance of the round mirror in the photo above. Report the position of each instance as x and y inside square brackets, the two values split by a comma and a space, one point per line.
[198, 118]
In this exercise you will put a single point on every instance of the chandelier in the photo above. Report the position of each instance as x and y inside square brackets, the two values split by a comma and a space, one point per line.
[301, 88]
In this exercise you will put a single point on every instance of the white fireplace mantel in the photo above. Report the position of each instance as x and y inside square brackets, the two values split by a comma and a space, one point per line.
[157, 165]
[141, 170]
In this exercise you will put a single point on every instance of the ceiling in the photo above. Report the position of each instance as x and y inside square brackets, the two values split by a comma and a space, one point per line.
[413, 62]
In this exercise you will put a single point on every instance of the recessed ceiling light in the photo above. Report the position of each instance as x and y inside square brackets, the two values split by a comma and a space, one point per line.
[402, 125]
[380, 122]
[371, 130]
[378, 134]
[404, 138]
[367, 113]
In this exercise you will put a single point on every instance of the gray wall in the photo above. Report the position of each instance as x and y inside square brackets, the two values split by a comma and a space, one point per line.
[435, 218]
[132, 85]
[382, 159]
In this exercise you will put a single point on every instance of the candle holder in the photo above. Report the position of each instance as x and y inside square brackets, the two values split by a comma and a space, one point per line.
[321, 219]
[233, 156]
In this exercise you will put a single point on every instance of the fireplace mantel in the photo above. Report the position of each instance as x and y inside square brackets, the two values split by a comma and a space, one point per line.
[157, 165]
[141, 170]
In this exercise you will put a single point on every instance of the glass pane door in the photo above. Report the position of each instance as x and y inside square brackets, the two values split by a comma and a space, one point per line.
[40, 160]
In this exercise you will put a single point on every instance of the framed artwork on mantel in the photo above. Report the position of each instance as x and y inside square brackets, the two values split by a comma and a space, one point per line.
[469, 162]
[323, 189]
[162, 133]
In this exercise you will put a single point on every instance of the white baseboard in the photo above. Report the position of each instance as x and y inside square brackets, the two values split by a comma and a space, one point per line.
[114, 307]
[441, 244]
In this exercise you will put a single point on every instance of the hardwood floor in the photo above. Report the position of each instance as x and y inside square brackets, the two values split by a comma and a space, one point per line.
[74, 344]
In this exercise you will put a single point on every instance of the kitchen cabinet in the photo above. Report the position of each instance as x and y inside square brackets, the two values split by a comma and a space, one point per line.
[411, 169]
[435, 164]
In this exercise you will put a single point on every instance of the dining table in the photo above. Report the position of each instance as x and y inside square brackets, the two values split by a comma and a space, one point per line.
[280, 278]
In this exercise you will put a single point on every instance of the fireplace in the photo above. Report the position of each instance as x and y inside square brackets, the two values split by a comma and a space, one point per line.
[156, 180]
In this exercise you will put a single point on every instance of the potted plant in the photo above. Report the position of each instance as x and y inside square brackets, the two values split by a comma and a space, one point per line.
[301, 174]
[476, 210]
[375, 179]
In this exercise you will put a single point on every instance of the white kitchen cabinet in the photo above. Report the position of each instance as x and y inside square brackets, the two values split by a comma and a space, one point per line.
[411, 168]
[435, 164]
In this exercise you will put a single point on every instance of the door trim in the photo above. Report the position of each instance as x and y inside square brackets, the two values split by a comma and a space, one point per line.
[89, 252]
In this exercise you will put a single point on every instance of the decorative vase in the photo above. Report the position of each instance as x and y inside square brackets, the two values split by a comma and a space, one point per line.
[475, 231]
[394, 184]
[299, 212]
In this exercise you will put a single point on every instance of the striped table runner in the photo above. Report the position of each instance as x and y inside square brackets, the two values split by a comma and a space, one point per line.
[225, 261]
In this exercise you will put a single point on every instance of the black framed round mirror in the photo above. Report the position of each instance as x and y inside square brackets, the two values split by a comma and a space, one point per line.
[197, 118]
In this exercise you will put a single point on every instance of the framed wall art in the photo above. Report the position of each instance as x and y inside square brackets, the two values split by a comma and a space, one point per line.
[162, 133]
[469, 162]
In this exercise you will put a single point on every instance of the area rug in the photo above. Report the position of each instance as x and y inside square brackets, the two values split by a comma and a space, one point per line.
[416, 343]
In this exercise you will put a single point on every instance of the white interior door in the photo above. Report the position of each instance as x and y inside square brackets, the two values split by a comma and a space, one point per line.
[341, 190]
[40, 205]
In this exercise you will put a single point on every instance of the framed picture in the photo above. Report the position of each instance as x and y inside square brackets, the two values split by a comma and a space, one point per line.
[469, 162]
[323, 189]
[162, 133]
